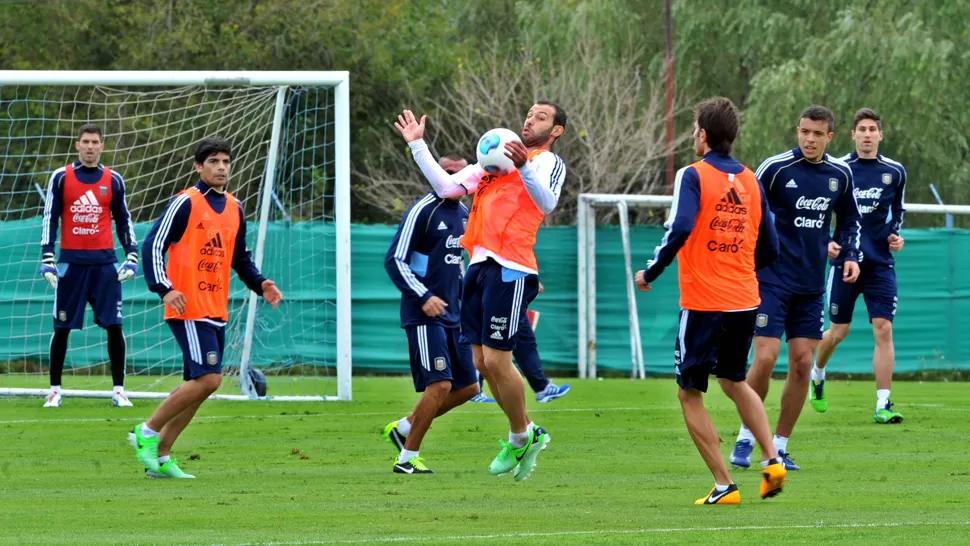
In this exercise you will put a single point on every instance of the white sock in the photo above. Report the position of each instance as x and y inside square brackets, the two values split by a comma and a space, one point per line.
[519, 439]
[764, 464]
[164, 459]
[119, 389]
[721, 488]
[55, 388]
[882, 398]
[818, 375]
[746, 434]
[147, 432]
[406, 456]
[404, 426]
[781, 444]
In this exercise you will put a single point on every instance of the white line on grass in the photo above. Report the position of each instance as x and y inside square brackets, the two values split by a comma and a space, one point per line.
[819, 525]
[316, 414]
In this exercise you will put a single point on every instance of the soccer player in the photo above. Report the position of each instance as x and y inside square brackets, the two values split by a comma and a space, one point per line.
[424, 261]
[804, 187]
[721, 232]
[526, 351]
[503, 276]
[880, 186]
[203, 230]
[84, 196]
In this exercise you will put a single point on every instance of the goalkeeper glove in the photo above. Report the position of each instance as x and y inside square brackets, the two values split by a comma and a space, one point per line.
[48, 269]
[129, 269]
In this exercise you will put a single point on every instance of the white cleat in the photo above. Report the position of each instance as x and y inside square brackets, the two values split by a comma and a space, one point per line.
[53, 400]
[119, 400]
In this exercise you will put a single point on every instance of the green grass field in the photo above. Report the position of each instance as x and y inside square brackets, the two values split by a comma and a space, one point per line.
[621, 469]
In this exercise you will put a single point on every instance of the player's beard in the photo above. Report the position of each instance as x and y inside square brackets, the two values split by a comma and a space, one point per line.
[537, 139]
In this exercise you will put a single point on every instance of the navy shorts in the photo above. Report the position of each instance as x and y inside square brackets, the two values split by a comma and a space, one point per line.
[795, 315]
[437, 354]
[876, 283]
[202, 344]
[79, 285]
[494, 300]
[712, 342]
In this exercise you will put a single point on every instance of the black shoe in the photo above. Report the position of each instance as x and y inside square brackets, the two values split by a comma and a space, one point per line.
[413, 466]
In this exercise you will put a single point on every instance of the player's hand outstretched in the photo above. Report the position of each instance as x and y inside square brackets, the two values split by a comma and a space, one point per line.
[175, 300]
[409, 127]
[434, 307]
[517, 152]
[271, 294]
[834, 249]
[896, 242]
[850, 272]
[641, 282]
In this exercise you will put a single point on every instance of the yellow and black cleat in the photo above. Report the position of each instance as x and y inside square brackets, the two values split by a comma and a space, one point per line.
[729, 496]
[772, 479]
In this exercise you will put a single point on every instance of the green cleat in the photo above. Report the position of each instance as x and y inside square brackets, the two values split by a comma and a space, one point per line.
[146, 449]
[394, 437]
[522, 459]
[816, 395]
[887, 416]
[169, 470]
[414, 465]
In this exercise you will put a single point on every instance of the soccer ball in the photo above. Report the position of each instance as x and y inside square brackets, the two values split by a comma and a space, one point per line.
[258, 380]
[491, 151]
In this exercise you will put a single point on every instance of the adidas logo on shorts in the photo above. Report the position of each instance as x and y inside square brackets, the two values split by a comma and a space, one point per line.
[496, 335]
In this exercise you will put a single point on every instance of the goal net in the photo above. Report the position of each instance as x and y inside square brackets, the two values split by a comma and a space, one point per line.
[604, 328]
[290, 172]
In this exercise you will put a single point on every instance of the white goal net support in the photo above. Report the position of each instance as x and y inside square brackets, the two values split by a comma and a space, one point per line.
[588, 204]
[290, 136]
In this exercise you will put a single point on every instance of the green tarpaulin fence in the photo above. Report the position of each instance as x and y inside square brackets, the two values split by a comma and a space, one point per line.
[933, 316]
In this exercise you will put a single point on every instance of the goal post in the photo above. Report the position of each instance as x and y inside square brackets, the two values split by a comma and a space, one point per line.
[588, 205]
[290, 132]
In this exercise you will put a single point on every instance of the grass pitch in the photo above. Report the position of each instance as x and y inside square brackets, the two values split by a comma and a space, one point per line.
[621, 469]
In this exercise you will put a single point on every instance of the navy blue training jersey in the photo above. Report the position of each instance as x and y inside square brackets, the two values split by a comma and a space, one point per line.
[802, 196]
[880, 187]
[424, 259]
[170, 227]
[54, 205]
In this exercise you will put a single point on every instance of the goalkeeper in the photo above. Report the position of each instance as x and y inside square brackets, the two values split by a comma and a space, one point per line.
[82, 198]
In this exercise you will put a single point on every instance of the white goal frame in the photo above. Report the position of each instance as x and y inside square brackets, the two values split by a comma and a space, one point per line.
[588, 203]
[340, 82]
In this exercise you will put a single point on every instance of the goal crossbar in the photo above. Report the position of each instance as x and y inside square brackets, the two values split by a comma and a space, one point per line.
[586, 274]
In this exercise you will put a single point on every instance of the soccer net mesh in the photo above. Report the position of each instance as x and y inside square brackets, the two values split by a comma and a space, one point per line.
[150, 134]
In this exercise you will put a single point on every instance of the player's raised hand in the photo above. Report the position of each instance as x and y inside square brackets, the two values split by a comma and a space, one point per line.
[175, 300]
[850, 272]
[434, 307]
[271, 293]
[48, 269]
[517, 152]
[641, 281]
[409, 127]
[834, 249]
[129, 269]
[896, 242]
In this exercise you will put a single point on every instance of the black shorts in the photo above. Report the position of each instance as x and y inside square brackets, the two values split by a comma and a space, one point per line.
[80, 285]
[494, 300]
[437, 354]
[712, 343]
[203, 343]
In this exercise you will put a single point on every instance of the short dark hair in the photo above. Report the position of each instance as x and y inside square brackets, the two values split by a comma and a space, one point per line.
[866, 113]
[454, 157]
[719, 119]
[211, 146]
[819, 113]
[90, 128]
[559, 118]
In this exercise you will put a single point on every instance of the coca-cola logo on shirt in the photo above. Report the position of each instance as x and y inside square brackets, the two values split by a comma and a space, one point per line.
[871, 193]
[818, 203]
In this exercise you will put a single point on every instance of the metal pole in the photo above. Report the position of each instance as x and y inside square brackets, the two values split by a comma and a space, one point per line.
[669, 61]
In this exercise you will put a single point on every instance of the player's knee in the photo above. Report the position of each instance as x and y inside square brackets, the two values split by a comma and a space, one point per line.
[210, 382]
[438, 389]
[688, 396]
[839, 332]
[882, 330]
